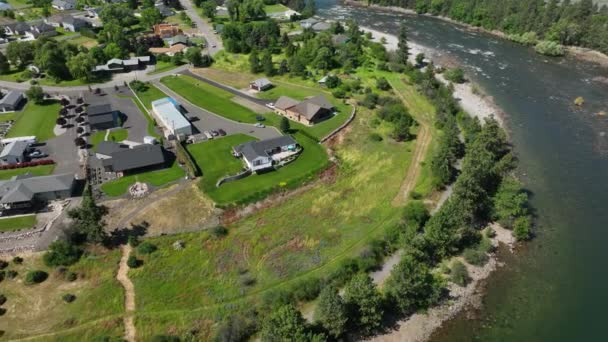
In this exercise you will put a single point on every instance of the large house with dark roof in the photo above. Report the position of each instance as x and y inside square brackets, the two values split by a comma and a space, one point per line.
[310, 111]
[14, 152]
[264, 154]
[24, 191]
[124, 160]
[11, 101]
[102, 116]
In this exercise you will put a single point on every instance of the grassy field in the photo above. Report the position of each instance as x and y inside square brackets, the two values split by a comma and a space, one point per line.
[215, 161]
[16, 223]
[147, 96]
[156, 178]
[162, 67]
[276, 8]
[115, 135]
[41, 170]
[38, 120]
[84, 41]
[17, 4]
[14, 75]
[38, 309]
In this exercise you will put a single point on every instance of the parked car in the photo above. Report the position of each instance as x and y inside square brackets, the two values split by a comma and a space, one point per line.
[260, 125]
[260, 118]
[37, 154]
[214, 133]
[208, 135]
[270, 105]
[222, 132]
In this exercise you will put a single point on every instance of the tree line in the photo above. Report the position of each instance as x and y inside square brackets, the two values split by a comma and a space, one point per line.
[579, 23]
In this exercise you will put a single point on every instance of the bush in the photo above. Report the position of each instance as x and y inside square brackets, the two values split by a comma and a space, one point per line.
[486, 246]
[521, 228]
[455, 75]
[132, 262]
[375, 137]
[382, 84]
[459, 274]
[528, 38]
[549, 48]
[307, 289]
[490, 232]
[219, 232]
[17, 260]
[2, 275]
[2, 299]
[61, 253]
[146, 248]
[68, 298]
[35, 277]
[11, 274]
[3, 264]
[475, 257]
[133, 241]
[415, 214]
[339, 93]
[71, 276]
[236, 328]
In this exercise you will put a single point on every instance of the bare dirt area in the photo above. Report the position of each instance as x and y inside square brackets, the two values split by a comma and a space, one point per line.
[123, 277]
[178, 208]
[409, 182]
[234, 79]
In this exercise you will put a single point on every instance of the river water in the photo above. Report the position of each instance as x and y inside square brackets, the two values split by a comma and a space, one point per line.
[554, 288]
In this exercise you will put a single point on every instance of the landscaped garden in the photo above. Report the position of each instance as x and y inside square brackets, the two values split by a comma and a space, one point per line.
[16, 223]
[156, 178]
[36, 119]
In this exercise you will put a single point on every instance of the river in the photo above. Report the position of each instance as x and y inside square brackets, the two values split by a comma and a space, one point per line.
[554, 287]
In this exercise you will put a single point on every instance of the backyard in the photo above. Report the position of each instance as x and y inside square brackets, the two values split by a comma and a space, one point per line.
[41, 170]
[10, 224]
[157, 178]
[116, 135]
[215, 160]
[36, 119]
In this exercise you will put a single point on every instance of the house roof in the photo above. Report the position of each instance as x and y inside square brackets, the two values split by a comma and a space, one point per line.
[322, 26]
[167, 110]
[99, 109]
[309, 21]
[109, 147]
[311, 107]
[15, 148]
[63, 3]
[23, 188]
[261, 82]
[173, 49]
[101, 118]
[256, 149]
[180, 38]
[339, 39]
[285, 102]
[12, 98]
[137, 157]
[4, 6]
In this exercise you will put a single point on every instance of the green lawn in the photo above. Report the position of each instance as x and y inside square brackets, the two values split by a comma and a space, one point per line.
[116, 135]
[215, 161]
[162, 67]
[14, 75]
[156, 178]
[147, 96]
[35, 119]
[18, 4]
[41, 170]
[276, 8]
[16, 223]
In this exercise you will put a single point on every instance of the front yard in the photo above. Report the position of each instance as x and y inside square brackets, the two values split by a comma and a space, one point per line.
[35, 119]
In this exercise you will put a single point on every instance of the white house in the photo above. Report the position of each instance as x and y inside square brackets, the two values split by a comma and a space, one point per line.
[167, 113]
[262, 155]
[64, 5]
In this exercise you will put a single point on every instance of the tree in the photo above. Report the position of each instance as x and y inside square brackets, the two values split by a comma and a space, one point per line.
[88, 218]
[364, 302]
[20, 54]
[510, 202]
[521, 228]
[309, 9]
[194, 57]
[284, 324]
[61, 253]
[254, 62]
[411, 286]
[382, 84]
[420, 59]
[401, 131]
[61, 122]
[403, 50]
[35, 94]
[332, 81]
[415, 214]
[112, 50]
[455, 75]
[4, 65]
[209, 9]
[81, 66]
[150, 16]
[267, 64]
[177, 59]
[285, 126]
[331, 312]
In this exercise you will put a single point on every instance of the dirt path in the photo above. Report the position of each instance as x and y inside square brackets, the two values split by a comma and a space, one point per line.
[123, 277]
[409, 182]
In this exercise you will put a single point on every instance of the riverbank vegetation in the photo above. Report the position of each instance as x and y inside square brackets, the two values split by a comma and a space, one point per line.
[577, 23]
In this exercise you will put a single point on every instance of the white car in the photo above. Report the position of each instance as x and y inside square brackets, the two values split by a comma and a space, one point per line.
[259, 125]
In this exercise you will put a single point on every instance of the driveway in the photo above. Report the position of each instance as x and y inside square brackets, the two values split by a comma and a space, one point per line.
[203, 27]
[206, 120]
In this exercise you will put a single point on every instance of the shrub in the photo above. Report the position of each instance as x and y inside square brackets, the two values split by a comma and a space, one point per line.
[2, 275]
[274, 299]
[549, 48]
[486, 246]
[455, 75]
[459, 273]
[3, 264]
[133, 241]
[71, 276]
[415, 214]
[68, 298]
[2, 299]
[35, 277]
[132, 262]
[490, 232]
[11, 274]
[475, 257]
[375, 137]
[61, 253]
[382, 84]
[307, 289]
[236, 328]
[219, 232]
[339, 93]
[521, 228]
[146, 248]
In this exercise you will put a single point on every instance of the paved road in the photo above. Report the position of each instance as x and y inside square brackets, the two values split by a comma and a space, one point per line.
[211, 121]
[213, 40]
[229, 89]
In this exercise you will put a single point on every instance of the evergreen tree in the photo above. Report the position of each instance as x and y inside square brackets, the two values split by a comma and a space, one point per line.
[267, 64]
[285, 126]
[88, 218]
[403, 50]
[331, 312]
[286, 324]
[4, 65]
[254, 63]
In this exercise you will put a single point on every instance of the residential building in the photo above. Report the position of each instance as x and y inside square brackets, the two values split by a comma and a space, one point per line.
[105, 149]
[16, 29]
[14, 152]
[169, 51]
[168, 114]
[63, 5]
[11, 101]
[260, 84]
[5, 7]
[284, 16]
[68, 22]
[321, 26]
[166, 30]
[221, 11]
[164, 10]
[308, 23]
[39, 29]
[310, 111]
[102, 116]
[178, 39]
[264, 154]
[120, 65]
[24, 191]
[93, 12]
[136, 159]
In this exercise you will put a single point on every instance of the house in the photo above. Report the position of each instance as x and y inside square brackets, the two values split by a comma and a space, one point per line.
[64, 5]
[11, 101]
[120, 65]
[264, 154]
[166, 30]
[14, 152]
[170, 51]
[308, 23]
[164, 10]
[16, 29]
[178, 39]
[310, 111]
[5, 7]
[68, 22]
[221, 11]
[93, 12]
[24, 191]
[39, 29]
[285, 15]
[168, 114]
[105, 149]
[321, 26]
[102, 116]
[260, 84]
[339, 39]
[132, 160]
